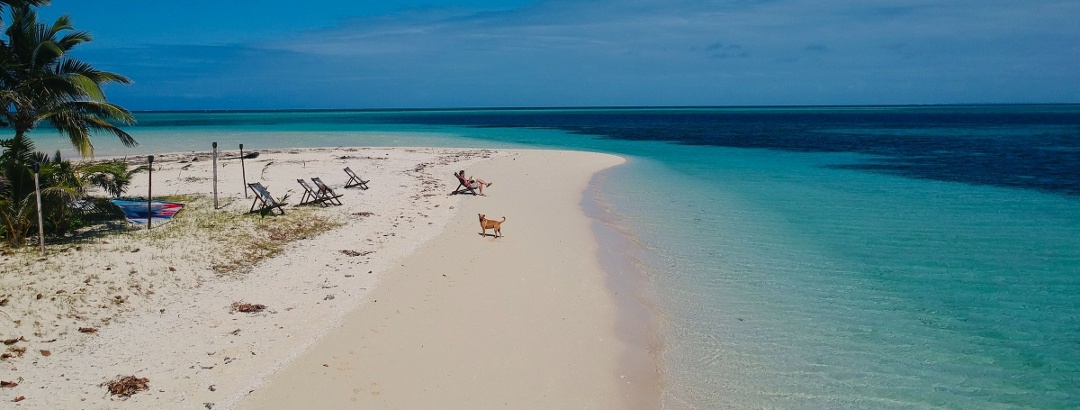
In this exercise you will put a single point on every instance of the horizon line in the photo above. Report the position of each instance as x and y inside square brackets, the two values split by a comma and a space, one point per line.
[588, 107]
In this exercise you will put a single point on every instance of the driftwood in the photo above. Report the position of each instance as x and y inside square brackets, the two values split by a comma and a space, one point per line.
[250, 155]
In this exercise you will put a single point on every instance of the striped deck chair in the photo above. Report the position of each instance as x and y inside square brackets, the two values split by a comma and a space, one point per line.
[263, 201]
[354, 180]
[324, 190]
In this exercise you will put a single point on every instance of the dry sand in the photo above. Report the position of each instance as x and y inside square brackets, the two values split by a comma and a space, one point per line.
[401, 304]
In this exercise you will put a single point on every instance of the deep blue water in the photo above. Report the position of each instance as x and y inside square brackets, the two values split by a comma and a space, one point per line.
[1032, 147]
[802, 257]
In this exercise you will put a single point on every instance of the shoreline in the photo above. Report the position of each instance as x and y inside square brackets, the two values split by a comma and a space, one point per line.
[200, 356]
[526, 320]
[639, 324]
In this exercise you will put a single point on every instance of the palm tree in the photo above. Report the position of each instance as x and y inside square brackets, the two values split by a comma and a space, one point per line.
[39, 81]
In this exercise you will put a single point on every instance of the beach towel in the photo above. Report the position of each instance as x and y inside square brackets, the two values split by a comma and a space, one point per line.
[135, 210]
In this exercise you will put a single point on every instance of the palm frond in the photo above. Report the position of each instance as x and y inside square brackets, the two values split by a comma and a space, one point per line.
[106, 110]
[62, 23]
[61, 193]
[86, 86]
[71, 66]
[70, 40]
[75, 128]
[19, 149]
[99, 124]
[112, 176]
[45, 52]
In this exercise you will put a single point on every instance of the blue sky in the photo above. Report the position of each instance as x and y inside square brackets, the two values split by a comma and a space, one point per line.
[272, 54]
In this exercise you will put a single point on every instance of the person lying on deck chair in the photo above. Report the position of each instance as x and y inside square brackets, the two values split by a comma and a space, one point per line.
[474, 183]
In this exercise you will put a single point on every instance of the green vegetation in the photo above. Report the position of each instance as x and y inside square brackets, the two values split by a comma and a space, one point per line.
[62, 185]
[41, 82]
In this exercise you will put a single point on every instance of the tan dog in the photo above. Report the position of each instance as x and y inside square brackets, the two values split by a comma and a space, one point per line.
[494, 225]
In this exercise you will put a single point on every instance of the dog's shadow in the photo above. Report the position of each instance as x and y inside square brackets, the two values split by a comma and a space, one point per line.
[484, 234]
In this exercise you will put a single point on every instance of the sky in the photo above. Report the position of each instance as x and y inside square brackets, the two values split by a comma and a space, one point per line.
[272, 54]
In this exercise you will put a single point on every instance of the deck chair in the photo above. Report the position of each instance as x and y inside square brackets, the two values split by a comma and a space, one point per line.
[311, 196]
[263, 200]
[354, 180]
[463, 186]
[325, 192]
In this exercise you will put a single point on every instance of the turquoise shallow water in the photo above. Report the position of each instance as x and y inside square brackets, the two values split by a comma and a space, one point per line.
[799, 258]
[787, 285]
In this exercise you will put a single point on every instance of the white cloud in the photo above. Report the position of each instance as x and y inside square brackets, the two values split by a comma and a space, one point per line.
[645, 52]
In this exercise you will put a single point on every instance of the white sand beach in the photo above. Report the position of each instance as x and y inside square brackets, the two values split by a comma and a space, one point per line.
[400, 303]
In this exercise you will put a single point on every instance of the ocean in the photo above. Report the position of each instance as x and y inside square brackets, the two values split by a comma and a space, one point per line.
[796, 257]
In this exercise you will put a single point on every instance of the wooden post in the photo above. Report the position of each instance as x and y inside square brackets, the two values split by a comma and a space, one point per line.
[242, 171]
[215, 176]
[150, 193]
[40, 224]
